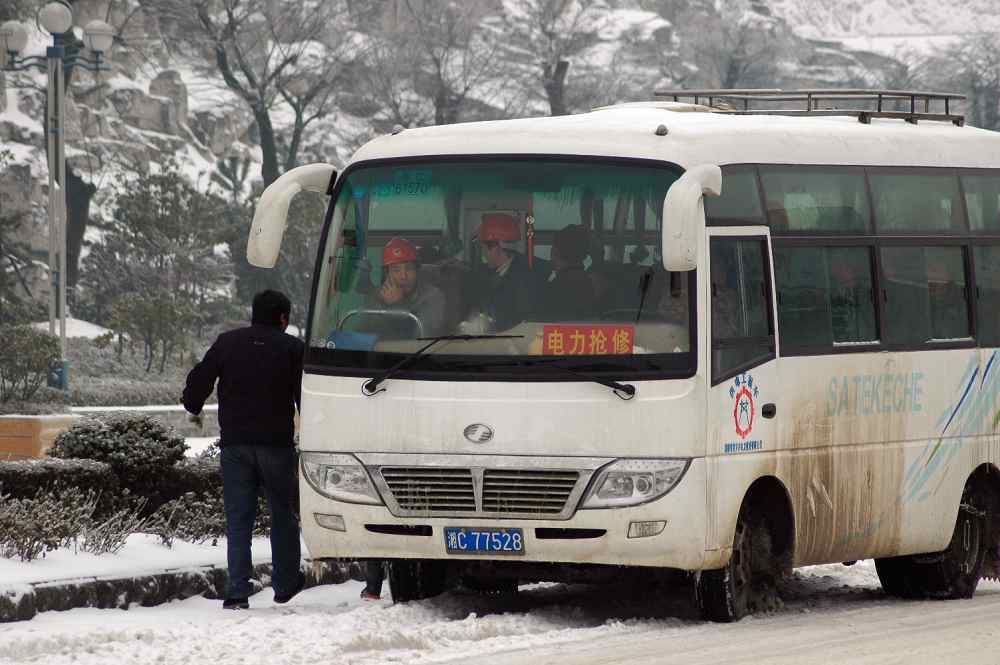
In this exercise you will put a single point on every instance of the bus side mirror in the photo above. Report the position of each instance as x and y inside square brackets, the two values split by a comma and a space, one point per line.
[684, 215]
[271, 215]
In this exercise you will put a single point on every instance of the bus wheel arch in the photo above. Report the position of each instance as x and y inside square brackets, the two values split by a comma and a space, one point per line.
[762, 553]
[774, 500]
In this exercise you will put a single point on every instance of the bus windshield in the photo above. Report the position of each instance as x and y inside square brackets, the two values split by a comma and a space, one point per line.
[560, 257]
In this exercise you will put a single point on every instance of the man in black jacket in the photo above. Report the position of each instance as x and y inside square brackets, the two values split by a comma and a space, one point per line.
[259, 372]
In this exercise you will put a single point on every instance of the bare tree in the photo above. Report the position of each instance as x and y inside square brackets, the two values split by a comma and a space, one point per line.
[973, 65]
[433, 60]
[280, 57]
[734, 48]
[547, 36]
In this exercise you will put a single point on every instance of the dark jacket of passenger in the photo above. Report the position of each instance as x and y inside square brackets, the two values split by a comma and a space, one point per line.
[510, 298]
[568, 296]
[259, 372]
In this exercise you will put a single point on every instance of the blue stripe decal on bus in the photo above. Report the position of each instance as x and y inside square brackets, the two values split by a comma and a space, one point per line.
[968, 387]
[986, 372]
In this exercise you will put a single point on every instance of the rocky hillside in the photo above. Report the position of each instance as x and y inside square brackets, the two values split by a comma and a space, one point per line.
[845, 19]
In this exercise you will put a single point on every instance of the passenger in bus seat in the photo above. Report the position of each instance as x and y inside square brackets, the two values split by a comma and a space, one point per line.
[402, 288]
[569, 293]
[505, 293]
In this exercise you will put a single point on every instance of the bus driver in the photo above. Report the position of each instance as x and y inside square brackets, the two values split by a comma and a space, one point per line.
[402, 288]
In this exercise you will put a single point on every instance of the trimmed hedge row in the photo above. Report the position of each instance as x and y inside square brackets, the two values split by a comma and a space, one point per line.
[23, 479]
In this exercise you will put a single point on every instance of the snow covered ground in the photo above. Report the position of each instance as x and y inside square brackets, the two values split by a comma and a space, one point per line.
[143, 554]
[832, 615]
[75, 328]
[197, 444]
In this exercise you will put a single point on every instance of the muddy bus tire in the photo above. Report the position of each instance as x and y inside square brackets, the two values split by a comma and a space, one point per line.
[955, 571]
[748, 583]
[416, 579]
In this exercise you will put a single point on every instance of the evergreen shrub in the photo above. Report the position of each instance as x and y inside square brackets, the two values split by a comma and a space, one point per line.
[141, 452]
[27, 357]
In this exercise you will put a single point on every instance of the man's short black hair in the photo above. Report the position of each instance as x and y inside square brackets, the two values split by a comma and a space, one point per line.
[268, 306]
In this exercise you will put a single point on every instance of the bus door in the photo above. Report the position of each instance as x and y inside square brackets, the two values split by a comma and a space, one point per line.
[743, 392]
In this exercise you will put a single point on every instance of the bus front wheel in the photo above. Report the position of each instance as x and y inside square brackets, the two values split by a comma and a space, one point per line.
[416, 579]
[749, 582]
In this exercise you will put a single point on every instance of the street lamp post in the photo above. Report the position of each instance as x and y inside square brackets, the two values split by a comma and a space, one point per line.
[56, 18]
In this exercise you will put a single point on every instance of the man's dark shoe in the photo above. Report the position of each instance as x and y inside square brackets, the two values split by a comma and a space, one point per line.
[236, 604]
[284, 598]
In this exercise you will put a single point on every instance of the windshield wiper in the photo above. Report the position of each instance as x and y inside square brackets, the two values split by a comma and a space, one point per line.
[625, 391]
[371, 386]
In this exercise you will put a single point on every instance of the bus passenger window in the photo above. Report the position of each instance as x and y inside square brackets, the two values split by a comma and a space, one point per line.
[816, 199]
[988, 288]
[925, 295]
[740, 199]
[824, 296]
[982, 200]
[742, 333]
[920, 201]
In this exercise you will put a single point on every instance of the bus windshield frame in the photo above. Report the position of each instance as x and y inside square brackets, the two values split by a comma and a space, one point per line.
[452, 362]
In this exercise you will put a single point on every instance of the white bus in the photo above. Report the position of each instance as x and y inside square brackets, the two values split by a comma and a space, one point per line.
[775, 345]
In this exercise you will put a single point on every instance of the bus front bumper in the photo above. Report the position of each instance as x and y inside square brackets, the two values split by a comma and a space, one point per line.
[668, 532]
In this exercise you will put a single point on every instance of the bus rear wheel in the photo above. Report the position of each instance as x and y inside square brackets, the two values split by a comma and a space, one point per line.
[416, 579]
[955, 571]
[749, 582]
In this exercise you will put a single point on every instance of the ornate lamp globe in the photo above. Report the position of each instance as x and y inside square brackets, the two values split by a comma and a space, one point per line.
[13, 37]
[98, 36]
[55, 18]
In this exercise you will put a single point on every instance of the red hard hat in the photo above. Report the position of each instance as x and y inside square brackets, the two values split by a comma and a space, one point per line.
[499, 227]
[398, 250]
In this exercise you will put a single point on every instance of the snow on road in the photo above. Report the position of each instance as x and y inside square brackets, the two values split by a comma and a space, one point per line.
[832, 615]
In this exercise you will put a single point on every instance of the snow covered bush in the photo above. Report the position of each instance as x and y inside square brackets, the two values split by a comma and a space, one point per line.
[193, 518]
[27, 357]
[109, 535]
[139, 449]
[22, 479]
[58, 516]
[114, 391]
[54, 517]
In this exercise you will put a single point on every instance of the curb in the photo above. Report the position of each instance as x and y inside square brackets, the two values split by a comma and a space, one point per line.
[23, 602]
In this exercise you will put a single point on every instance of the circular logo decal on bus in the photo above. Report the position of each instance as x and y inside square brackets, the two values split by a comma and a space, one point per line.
[743, 412]
[478, 433]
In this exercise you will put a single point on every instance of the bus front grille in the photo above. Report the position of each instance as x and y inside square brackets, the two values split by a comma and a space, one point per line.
[441, 491]
[427, 489]
[520, 491]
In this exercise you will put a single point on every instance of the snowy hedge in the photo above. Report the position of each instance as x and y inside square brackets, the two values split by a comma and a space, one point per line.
[109, 479]
[21, 479]
[141, 452]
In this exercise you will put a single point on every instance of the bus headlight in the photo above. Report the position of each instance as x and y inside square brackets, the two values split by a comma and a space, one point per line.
[630, 482]
[339, 477]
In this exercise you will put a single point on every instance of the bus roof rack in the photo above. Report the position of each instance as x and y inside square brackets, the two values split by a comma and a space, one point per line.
[819, 102]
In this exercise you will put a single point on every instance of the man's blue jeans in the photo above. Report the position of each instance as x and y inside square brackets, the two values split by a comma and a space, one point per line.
[245, 471]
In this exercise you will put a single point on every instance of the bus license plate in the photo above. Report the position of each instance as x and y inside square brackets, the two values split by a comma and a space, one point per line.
[483, 540]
